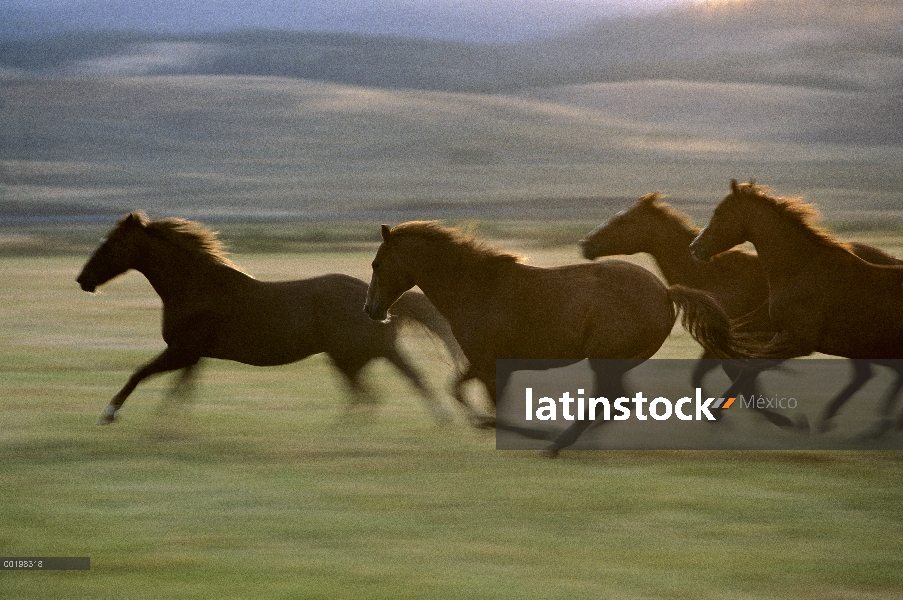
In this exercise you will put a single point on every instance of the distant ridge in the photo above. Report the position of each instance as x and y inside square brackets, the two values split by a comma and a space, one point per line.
[825, 44]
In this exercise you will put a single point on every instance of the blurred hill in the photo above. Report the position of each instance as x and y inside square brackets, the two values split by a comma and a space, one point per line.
[805, 96]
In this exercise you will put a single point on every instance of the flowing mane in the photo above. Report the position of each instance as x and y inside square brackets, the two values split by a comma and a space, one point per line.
[803, 214]
[190, 236]
[655, 200]
[467, 245]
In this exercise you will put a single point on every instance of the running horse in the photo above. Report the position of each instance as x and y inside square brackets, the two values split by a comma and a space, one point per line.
[734, 277]
[822, 296]
[500, 308]
[212, 309]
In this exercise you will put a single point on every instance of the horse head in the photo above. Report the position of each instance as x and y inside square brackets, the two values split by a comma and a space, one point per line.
[116, 254]
[726, 228]
[390, 278]
[627, 232]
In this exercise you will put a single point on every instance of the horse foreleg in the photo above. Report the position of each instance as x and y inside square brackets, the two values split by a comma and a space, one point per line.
[495, 387]
[862, 372]
[609, 384]
[168, 360]
[479, 420]
[432, 401]
[886, 422]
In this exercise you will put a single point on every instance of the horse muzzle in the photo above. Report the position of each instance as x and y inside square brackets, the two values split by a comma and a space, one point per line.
[588, 249]
[86, 285]
[699, 249]
[376, 311]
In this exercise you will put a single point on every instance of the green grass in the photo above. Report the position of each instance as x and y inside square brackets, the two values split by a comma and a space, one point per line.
[268, 484]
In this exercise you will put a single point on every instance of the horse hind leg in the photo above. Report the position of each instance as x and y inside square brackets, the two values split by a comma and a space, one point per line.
[186, 383]
[705, 365]
[359, 393]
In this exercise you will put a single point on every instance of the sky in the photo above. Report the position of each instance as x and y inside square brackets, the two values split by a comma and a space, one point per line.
[468, 20]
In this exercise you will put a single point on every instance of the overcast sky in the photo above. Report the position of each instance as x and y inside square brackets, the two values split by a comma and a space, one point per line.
[475, 20]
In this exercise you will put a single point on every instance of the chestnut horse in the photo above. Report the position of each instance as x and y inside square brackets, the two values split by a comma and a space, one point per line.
[213, 309]
[734, 277]
[822, 296]
[500, 308]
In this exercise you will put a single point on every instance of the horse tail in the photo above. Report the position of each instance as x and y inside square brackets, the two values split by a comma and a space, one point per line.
[416, 306]
[706, 321]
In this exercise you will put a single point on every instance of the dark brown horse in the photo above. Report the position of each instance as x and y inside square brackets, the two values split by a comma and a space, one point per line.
[213, 309]
[734, 277]
[500, 308]
[822, 296]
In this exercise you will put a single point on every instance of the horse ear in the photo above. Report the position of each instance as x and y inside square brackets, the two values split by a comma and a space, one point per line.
[735, 187]
[650, 198]
[386, 231]
[136, 217]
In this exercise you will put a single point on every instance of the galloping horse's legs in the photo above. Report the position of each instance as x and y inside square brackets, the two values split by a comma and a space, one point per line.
[408, 370]
[746, 378]
[610, 384]
[168, 360]
[479, 420]
[351, 371]
[887, 422]
[862, 372]
[701, 368]
[185, 384]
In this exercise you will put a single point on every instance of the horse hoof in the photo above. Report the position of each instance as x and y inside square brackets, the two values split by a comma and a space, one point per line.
[802, 424]
[878, 429]
[485, 424]
[550, 452]
[826, 426]
[107, 416]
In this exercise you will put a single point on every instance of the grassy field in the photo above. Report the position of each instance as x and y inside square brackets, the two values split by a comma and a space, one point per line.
[267, 484]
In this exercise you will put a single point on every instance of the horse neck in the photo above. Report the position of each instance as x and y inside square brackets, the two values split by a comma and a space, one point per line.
[172, 271]
[670, 247]
[449, 280]
[783, 245]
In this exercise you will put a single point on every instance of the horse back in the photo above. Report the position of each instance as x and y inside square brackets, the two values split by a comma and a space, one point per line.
[282, 322]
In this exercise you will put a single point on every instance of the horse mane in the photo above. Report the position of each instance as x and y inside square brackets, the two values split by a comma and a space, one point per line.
[190, 236]
[654, 200]
[465, 244]
[804, 214]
